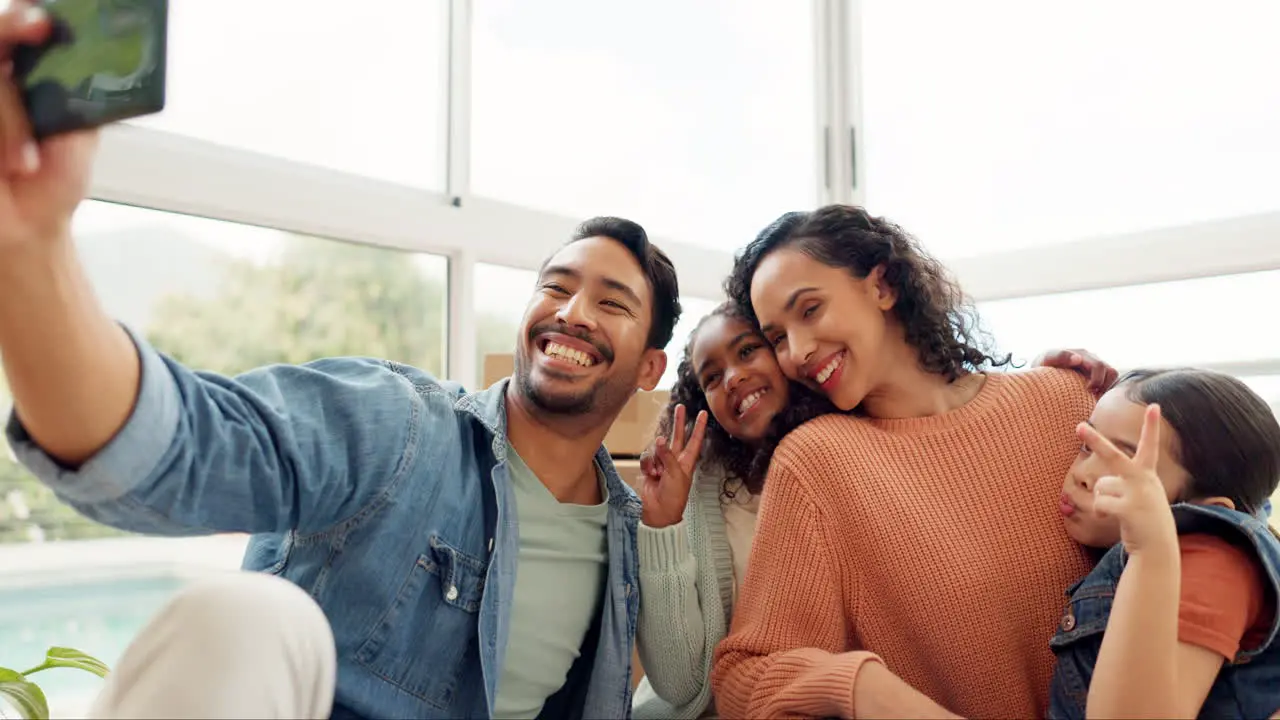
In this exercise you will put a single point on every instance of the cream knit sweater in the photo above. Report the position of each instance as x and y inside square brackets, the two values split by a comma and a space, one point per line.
[686, 597]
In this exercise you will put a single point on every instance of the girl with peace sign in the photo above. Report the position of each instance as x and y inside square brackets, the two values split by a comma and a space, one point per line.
[1179, 617]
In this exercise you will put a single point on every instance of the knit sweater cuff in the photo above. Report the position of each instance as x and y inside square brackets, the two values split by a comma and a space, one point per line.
[662, 549]
[840, 679]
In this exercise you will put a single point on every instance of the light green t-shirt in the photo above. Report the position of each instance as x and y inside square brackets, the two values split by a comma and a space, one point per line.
[559, 582]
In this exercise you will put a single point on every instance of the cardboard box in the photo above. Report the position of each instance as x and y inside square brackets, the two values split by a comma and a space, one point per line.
[630, 433]
[629, 470]
[497, 367]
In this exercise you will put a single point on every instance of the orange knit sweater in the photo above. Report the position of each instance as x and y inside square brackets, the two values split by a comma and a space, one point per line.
[933, 543]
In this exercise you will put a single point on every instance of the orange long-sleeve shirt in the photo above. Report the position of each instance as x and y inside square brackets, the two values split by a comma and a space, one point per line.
[933, 543]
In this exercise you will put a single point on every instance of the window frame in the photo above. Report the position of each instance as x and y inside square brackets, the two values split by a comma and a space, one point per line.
[164, 171]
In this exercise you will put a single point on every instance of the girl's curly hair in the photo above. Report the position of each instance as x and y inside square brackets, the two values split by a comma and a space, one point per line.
[939, 320]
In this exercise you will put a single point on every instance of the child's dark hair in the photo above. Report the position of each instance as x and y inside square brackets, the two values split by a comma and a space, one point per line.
[1228, 438]
[939, 320]
[742, 462]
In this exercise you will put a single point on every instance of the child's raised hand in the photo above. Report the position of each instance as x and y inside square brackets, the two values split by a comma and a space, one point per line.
[666, 481]
[1132, 492]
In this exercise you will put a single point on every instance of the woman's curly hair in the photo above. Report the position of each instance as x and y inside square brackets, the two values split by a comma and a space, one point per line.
[939, 320]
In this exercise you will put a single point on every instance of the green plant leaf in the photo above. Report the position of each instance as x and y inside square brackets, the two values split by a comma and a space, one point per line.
[25, 695]
[60, 657]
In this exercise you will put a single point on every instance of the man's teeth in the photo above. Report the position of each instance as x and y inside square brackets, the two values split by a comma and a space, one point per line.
[831, 367]
[567, 353]
[750, 401]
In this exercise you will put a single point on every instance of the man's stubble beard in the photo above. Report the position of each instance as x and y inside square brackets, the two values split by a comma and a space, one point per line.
[603, 396]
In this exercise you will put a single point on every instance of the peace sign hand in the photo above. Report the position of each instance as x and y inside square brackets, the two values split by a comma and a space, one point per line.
[1132, 492]
[664, 490]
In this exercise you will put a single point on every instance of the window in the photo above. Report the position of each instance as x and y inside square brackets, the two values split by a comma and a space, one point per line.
[1008, 124]
[694, 119]
[694, 309]
[226, 297]
[501, 295]
[1209, 320]
[360, 91]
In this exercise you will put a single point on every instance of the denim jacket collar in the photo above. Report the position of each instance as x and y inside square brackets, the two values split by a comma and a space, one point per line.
[489, 407]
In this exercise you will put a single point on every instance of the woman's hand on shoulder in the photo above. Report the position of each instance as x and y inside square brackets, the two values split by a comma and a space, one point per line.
[1100, 375]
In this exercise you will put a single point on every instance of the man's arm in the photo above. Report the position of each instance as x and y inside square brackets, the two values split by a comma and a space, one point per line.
[73, 372]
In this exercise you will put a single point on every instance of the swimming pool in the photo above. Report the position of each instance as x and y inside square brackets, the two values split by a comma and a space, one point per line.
[100, 617]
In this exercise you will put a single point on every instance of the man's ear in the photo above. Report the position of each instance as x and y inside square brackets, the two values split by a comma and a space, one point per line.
[652, 365]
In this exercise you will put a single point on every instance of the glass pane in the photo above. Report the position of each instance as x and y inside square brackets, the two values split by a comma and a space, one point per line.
[225, 297]
[502, 293]
[694, 119]
[1187, 322]
[353, 88]
[1007, 124]
[694, 309]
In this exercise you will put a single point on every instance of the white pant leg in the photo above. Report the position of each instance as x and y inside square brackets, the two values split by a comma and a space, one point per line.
[247, 645]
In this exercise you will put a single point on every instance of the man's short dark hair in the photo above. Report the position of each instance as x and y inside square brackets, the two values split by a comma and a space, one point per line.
[657, 268]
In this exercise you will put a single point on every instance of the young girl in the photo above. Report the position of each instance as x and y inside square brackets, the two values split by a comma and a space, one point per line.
[701, 495]
[1186, 595]
[700, 498]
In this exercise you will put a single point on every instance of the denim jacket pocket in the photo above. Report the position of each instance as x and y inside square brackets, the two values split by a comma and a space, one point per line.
[420, 643]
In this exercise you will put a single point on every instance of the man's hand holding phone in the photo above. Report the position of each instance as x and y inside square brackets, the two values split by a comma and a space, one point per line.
[40, 183]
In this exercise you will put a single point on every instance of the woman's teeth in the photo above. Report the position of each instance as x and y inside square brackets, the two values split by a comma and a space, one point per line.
[557, 350]
[831, 367]
[750, 401]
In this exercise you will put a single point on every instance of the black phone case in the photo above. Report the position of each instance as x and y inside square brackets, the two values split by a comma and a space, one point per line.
[53, 109]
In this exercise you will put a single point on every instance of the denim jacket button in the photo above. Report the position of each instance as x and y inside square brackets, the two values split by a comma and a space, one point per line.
[1068, 622]
[452, 594]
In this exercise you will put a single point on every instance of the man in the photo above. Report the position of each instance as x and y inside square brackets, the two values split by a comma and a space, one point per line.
[473, 554]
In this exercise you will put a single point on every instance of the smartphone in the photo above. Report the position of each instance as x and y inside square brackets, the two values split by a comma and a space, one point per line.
[104, 62]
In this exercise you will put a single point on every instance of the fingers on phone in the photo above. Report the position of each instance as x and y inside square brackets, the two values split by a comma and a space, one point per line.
[20, 23]
[20, 153]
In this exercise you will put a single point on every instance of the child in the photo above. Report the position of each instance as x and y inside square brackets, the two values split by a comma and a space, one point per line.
[1186, 594]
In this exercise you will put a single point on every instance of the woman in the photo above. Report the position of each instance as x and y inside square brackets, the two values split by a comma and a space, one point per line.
[908, 555]
[694, 543]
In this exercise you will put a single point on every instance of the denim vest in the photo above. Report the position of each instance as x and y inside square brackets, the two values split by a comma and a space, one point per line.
[1247, 687]
[382, 492]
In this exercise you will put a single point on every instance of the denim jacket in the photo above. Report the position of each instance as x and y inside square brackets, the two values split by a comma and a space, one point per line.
[382, 492]
[1246, 687]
